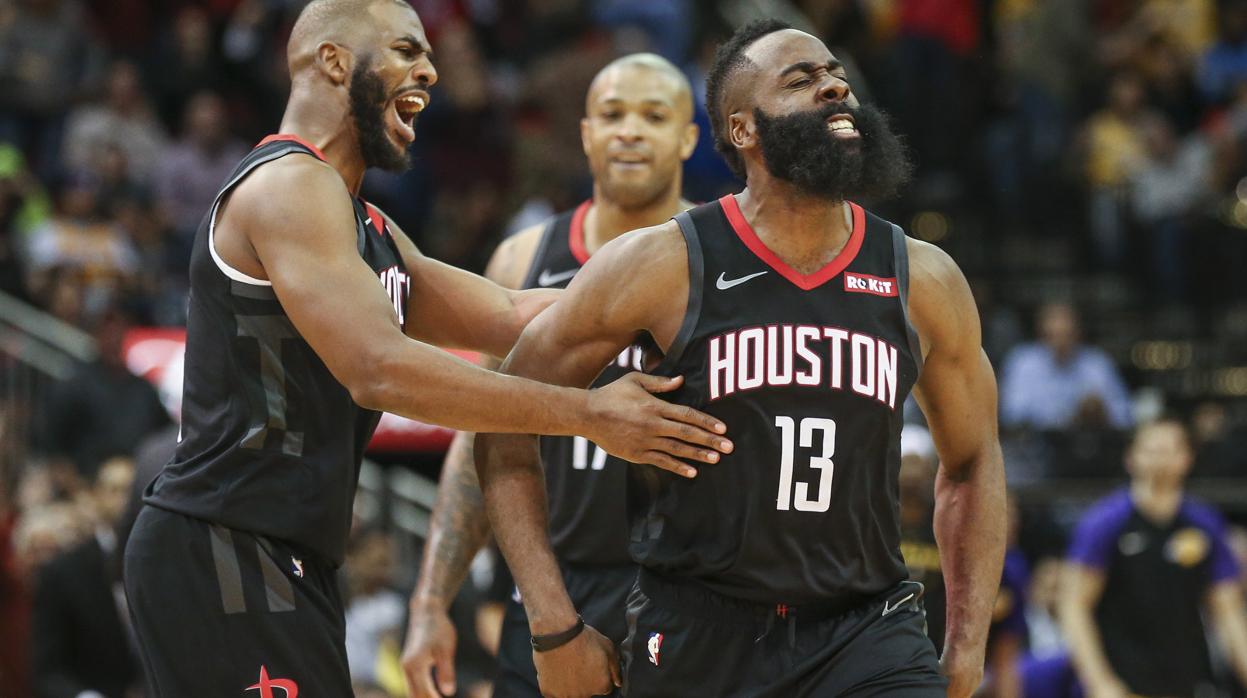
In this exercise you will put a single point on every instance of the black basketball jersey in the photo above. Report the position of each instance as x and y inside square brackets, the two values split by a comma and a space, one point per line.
[584, 485]
[809, 373]
[271, 442]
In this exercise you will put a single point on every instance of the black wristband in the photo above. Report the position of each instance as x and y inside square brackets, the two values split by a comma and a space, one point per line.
[545, 643]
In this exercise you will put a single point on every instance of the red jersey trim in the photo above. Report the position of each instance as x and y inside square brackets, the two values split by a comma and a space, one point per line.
[294, 138]
[803, 281]
[378, 221]
[576, 236]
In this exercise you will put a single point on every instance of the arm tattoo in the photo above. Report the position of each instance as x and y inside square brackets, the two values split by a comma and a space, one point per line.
[459, 526]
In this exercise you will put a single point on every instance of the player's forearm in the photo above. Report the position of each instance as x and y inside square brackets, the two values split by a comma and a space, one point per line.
[418, 381]
[970, 531]
[515, 497]
[1231, 625]
[458, 529]
[1083, 637]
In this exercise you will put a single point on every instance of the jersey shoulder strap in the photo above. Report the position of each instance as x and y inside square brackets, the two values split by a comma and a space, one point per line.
[560, 252]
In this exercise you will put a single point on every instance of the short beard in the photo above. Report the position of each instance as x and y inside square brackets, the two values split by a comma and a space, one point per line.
[801, 149]
[368, 99]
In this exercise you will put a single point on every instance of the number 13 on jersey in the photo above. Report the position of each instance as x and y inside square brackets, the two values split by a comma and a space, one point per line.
[789, 431]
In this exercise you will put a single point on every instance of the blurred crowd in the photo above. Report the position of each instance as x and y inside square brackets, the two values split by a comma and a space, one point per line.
[1084, 161]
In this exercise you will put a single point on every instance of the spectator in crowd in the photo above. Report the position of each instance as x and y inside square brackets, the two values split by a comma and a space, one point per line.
[1007, 636]
[188, 63]
[23, 207]
[1114, 145]
[102, 410]
[1225, 64]
[1166, 190]
[1144, 565]
[124, 119]
[374, 610]
[47, 62]
[80, 644]
[79, 240]
[1059, 382]
[193, 169]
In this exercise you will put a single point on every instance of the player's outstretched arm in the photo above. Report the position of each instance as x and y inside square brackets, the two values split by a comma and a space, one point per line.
[957, 392]
[457, 309]
[636, 283]
[297, 219]
[458, 527]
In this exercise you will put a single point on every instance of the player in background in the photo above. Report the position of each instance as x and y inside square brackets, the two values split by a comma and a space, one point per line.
[1145, 565]
[310, 313]
[637, 133]
[802, 321]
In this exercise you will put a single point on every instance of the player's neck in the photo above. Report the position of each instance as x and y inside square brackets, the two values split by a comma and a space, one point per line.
[1157, 501]
[329, 130]
[607, 220]
[795, 225]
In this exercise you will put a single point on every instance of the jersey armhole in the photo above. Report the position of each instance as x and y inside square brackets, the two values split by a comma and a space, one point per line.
[530, 276]
[696, 284]
[230, 272]
[900, 251]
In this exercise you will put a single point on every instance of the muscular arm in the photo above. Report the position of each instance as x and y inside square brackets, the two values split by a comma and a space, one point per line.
[454, 308]
[607, 304]
[459, 526]
[1225, 603]
[1080, 592]
[957, 392]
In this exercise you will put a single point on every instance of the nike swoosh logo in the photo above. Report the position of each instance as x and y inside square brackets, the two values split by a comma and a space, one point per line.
[723, 284]
[888, 609]
[548, 279]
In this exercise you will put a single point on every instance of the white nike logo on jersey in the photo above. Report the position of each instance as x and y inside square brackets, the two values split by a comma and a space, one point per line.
[888, 609]
[548, 279]
[723, 284]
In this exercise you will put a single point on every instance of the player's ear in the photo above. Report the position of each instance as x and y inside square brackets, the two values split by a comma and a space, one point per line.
[688, 140]
[334, 61]
[741, 130]
[584, 135]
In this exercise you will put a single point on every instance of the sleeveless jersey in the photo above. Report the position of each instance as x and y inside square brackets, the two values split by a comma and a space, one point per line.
[271, 442]
[584, 486]
[809, 373]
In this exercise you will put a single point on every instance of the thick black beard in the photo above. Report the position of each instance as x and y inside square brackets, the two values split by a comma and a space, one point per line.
[368, 100]
[799, 148]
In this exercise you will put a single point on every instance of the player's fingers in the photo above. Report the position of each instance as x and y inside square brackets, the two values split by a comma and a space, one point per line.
[657, 384]
[696, 418]
[681, 449]
[666, 462]
[696, 435]
[445, 669]
[420, 680]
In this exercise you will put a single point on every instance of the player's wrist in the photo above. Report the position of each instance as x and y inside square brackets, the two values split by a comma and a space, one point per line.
[425, 602]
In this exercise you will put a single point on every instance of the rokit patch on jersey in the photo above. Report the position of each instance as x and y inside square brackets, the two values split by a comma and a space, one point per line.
[874, 285]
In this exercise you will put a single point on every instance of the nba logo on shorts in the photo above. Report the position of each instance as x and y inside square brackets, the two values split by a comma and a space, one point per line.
[655, 644]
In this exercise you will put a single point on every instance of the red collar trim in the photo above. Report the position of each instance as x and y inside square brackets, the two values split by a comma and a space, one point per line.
[803, 281]
[378, 221]
[576, 236]
[294, 138]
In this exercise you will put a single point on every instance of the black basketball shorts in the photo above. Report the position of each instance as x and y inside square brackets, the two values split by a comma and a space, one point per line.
[684, 640]
[224, 613]
[600, 595]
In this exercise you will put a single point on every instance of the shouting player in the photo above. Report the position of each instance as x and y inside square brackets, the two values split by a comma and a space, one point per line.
[300, 332]
[803, 321]
[636, 135]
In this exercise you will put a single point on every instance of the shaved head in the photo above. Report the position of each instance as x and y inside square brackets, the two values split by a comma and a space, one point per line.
[343, 22]
[680, 90]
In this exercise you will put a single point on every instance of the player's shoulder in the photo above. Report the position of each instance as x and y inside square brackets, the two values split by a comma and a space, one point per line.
[296, 185]
[658, 249]
[1201, 514]
[509, 263]
[932, 268]
[1109, 514]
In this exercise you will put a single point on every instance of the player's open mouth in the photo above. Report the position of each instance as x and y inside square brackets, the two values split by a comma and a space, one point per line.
[405, 110]
[842, 126]
[629, 160]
